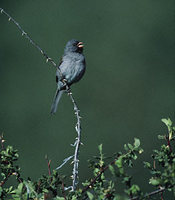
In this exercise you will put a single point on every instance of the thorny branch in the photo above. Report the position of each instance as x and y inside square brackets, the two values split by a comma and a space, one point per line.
[77, 111]
[76, 144]
[77, 127]
[48, 59]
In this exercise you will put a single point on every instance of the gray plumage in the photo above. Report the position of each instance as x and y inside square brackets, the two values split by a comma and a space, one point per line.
[72, 68]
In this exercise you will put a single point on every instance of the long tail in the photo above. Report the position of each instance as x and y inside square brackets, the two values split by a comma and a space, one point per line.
[56, 100]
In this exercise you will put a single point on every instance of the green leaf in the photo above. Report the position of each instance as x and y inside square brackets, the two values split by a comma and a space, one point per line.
[136, 142]
[147, 165]
[119, 163]
[161, 137]
[90, 195]
[19, 189]
[127, 180]
[29, 185]
[167, 122]
[125, 147]
[112, 170]
[130, 146]
[74, 198]
[154, 181]
[135, 157]
[100, 147]
[134, 189]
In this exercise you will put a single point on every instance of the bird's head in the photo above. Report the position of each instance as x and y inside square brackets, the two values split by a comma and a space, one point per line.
[74, 46]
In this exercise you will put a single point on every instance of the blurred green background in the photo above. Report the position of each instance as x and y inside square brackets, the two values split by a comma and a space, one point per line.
[128, 86]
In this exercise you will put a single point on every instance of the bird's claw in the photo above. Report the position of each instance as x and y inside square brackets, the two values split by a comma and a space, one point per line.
[64, 81]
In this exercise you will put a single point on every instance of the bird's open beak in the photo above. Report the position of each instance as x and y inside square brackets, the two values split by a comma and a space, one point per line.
[80, 45]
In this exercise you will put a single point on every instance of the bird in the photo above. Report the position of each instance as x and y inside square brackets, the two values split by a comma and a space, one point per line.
[70, 70]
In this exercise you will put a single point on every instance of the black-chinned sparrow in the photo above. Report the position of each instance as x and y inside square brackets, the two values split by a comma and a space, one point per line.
[71, 68]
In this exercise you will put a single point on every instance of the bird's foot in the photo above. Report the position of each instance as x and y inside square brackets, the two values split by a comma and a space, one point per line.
[64, 81]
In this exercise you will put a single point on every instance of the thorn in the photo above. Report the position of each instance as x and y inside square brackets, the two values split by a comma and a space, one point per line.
[77, 112]
[81, 143]
[73, 145]
[48, 59]
[23, 33]
[71, 177]
[9, 18]
[76, 128]
[2, 11]
[41, 51]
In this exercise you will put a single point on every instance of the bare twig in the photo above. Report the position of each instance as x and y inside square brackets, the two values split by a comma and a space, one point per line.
[150, 194]
[63, 190]
[162, 195]
[64, 162]
[48, 165]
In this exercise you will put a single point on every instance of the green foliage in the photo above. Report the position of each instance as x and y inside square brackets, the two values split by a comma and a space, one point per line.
[8, 156]
[163, 169]
[105, 174]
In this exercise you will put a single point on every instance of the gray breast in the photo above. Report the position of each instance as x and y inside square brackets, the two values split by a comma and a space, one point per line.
[73, 67]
